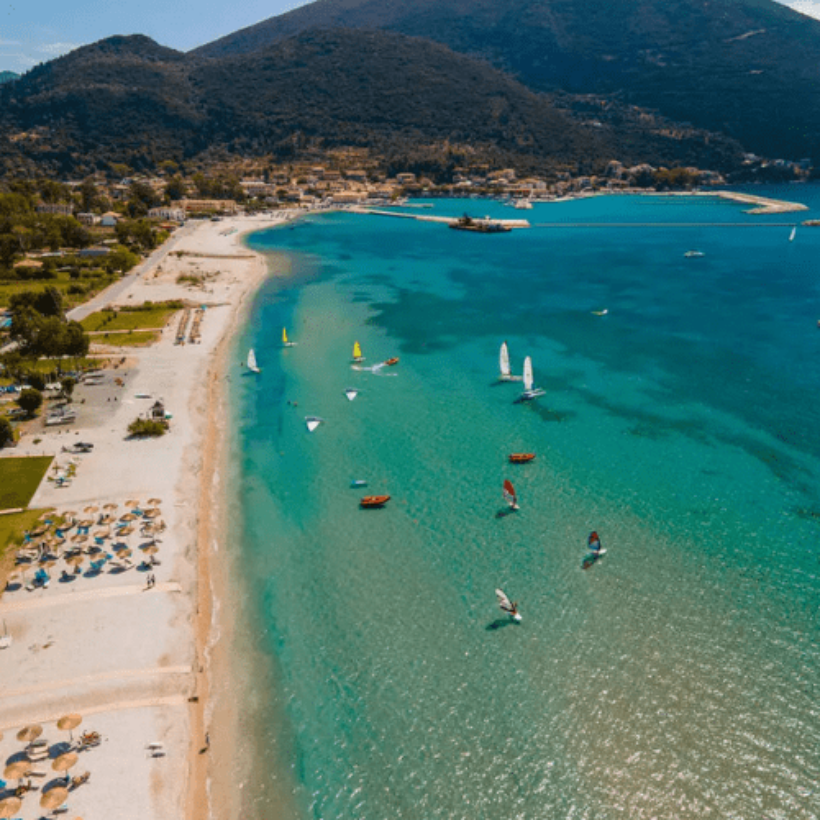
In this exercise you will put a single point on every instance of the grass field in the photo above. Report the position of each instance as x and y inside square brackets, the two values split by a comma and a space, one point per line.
[62, 282]
[137, 338]
[128, 319]
[19, 478]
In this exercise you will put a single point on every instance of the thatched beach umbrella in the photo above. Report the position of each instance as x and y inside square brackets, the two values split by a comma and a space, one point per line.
[86, 522]
[67, 723]
[30, 732]
[125, 530]
[107, 519]
[132, 503]
[110, 506]
[79, 538]
[54, 798]
[75, 560]
[91, 509]
[38, 532]
[9, 807]
[154, 501]
[17, 770]
[102, 533]
[45, 515]
[128, 517]
[149, 549]
[64, 762]
[154, 512]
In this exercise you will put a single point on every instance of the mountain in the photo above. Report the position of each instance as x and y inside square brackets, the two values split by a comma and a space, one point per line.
[747, 68]
[7, 76]
[414, 102]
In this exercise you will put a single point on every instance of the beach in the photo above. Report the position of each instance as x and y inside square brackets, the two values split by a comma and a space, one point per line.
[129, 657]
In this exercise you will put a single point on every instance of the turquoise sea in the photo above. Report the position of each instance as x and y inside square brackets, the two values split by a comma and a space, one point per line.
[678, 677]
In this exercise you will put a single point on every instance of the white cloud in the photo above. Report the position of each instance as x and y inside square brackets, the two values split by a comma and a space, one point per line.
[57, 48]
[811, 8]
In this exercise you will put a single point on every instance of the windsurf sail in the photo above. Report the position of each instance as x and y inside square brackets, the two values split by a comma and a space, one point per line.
[594, 542]
[252, 366]
[503, 601]
[504, 362]
[357, 352]
[509, 494]
[793, 234]
[312, 422]
[285, 342]
[351, 393]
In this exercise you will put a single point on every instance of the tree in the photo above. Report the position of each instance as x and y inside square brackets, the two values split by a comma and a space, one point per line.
[175, 189]
[146, 427]
[67, 384]
[6, 432]
[30, 400]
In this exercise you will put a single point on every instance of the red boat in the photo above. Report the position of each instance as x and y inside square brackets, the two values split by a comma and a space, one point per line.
[391, 362]
[374, 500]
[521, 458]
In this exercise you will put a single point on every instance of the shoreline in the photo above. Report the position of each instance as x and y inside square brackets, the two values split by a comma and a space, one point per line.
[149, 673]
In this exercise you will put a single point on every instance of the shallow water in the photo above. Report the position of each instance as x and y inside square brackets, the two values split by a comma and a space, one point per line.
[677, 677]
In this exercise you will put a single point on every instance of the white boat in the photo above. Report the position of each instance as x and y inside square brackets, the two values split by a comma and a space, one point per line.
[793, 233]
[351, 393]
[523, 205]
[285, 342]
[509, 494]
[694, 254]
[600, 312]
[312, 422]
[507, 605]
[504, 373]
[530, 392]
[252, 366]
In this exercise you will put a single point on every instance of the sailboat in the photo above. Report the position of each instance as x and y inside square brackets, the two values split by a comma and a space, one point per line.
[507, 605]
[504, 373]
[285, 342]
[594, 544]
[351, 393]
[312, 422]
[357, 352]
[530, 392]
[509, 494]
[252, 366]
[793, 233]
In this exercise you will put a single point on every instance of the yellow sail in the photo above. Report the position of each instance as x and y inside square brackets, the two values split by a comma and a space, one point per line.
[357, 351]
[284, 336]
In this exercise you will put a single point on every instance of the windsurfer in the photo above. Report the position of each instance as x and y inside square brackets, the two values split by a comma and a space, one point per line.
[594, 542]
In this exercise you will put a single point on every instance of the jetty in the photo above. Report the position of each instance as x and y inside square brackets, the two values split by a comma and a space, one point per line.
[445, 220]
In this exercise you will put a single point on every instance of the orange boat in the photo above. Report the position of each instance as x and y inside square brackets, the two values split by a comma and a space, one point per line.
[521, 458]
[374, 500]
[391, 362]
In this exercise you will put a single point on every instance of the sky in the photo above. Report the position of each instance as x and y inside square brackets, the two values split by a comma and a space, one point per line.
[39, 30]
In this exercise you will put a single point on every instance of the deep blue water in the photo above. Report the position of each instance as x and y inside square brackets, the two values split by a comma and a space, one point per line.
[678, 677]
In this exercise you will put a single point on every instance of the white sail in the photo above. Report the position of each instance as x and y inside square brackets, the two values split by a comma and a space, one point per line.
[528, 374]
[351, 393]
[503, 601]
[793, 234]
[312, 422]
[504, 361]
[252, 366]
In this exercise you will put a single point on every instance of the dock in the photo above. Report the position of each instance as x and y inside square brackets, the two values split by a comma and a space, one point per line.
[446, 220]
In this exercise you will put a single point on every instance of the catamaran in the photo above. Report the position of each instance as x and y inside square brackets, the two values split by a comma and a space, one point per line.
[252, 366]
[507, 605]
[509, 494]
[312, 422]
[357, 352]
[504, 373]
[793, 233]
[530, 392]
[285, 342]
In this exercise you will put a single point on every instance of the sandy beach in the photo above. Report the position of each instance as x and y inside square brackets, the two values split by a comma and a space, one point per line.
[133, 659]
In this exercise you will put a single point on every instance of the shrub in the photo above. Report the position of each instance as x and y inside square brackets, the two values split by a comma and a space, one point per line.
[145, 427]
[6, 432]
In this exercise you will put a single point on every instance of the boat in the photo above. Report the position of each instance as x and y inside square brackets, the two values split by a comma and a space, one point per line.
[357, 352]
[358, 482]
[600, 312]
[507, 605]
[467, 223]
[694, 254]
[530, 392]
[252, 366]
[521, 458]
[285, 342]
[793, 233]
[504, 373]
[371, 501]
[523, 205]
[391, 362]
[351, 393]
[313, 422]
[509, 494]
